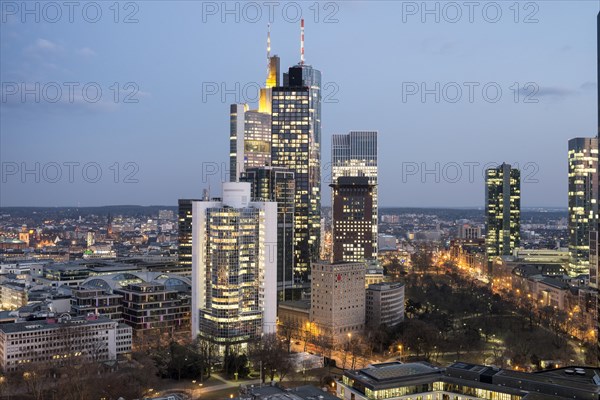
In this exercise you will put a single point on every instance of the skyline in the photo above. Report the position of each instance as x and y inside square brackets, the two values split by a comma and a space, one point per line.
[167, 168]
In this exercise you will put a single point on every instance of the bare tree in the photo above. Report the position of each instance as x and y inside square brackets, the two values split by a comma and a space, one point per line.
[270, 355]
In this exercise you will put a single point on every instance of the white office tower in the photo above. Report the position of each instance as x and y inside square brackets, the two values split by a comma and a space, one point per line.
[234, 267]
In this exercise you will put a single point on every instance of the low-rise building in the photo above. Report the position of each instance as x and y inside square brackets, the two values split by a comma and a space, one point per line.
[385, 304]
[61, 340]
[463, 381]
[96, 301]
[150, 305]
[12, 295]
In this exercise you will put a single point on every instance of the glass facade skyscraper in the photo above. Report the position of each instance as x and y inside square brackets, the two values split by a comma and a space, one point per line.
[503, 210]
[249, 140]
[583, 194]
[278, 184]
[185, 234]
[355, 154]
[250, 130]
[234, 288]
[296, 145]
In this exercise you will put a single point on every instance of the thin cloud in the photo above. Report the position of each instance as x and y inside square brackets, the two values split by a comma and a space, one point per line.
[47, 45]
[86, 52]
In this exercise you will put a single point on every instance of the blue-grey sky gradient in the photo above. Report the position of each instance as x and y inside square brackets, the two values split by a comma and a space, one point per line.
[374, 52]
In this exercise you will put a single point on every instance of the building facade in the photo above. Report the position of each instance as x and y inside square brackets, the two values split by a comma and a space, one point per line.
[464, 381]
[385, 304]
[467, 231]
[151, 306]
[503, 210]
[353, 238]
[85, 301]
[234, 268]
[296, 145]
[583, 207]
[355, 154]
[62, 340]
[249, 140]
[278, 184]
[185, 233]
[337, 299]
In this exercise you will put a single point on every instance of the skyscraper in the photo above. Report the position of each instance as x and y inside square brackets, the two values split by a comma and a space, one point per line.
[355, 154]
[234, 279]
[583, 208]
[296, 145]
[503, 210]
[184, 242]
[594, 244]
[250, 130]
[277, 184]
[352, 219]
[249, 140]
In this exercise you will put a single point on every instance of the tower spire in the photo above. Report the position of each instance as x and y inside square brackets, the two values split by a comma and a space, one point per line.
[302, 41]
[268, 49]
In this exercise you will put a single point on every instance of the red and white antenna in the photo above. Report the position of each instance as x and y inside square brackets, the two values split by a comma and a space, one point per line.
[302, 41]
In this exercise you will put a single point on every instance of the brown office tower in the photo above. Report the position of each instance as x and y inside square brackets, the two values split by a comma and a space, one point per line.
[352, 219]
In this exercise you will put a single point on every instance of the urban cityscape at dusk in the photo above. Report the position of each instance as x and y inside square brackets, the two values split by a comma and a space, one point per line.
[299, 200]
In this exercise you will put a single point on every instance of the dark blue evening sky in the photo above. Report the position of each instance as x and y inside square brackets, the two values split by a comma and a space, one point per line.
[176, 134]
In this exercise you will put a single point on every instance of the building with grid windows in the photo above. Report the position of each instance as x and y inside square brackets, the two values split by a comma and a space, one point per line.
[296, 145]
[355, 154]
[503, 210]
[185, 234]
[62, 340]
[583, 194]
[153, 306]
[234, 267]
[337, 308]
[464, 381]
[250, 130]
[250, 140]
[385, 304]
[353, 239]
[278, 184]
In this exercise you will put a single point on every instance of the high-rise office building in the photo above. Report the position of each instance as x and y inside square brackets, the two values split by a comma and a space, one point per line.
[355, 154]
[250, 140]
[503, 210]
[352, 219]
[277, 184]
[583, 208]
[594, 258]
[250, 130]
[234, 278]
[185, 233]
[296, 145]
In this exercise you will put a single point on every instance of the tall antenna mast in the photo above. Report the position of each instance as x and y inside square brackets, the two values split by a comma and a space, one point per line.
[302, 41]
[268, 49]
[268, 41]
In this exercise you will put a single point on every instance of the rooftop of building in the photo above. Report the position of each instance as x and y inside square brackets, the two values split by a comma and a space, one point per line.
[528, 269]
[555, 283]
[385, 285]
[51, 323]
[549, 384]
[574, 378]
[276, 392]
[393, 374]
[297, 304]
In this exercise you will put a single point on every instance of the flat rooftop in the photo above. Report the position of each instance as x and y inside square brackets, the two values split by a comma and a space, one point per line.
[31, 326]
